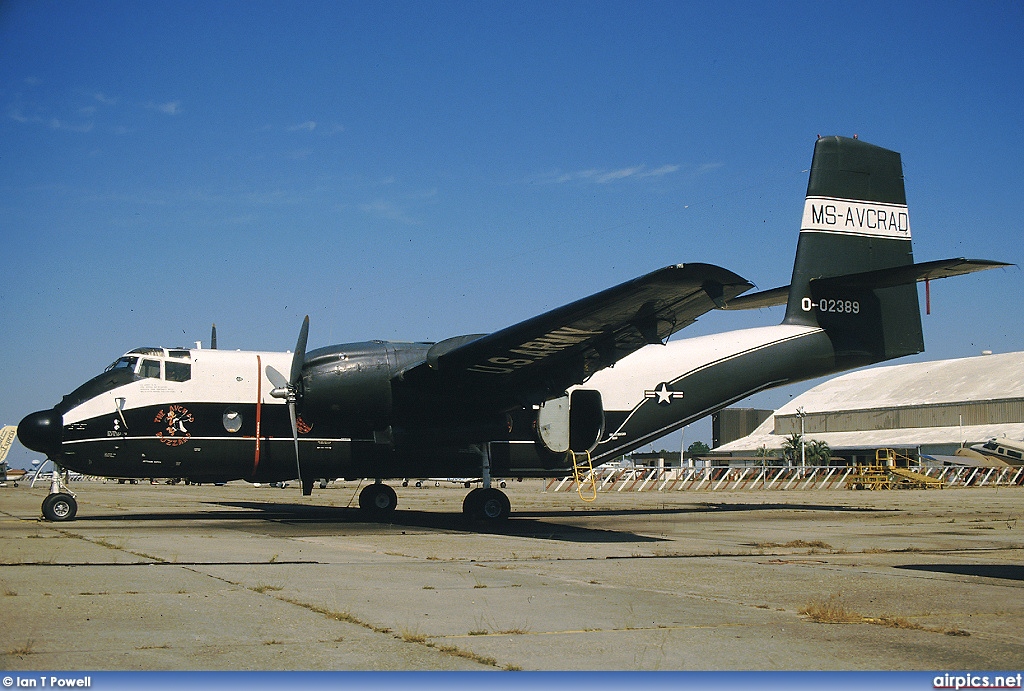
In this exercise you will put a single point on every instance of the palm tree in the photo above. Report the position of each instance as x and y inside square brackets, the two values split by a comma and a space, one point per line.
[818, 452]
[791, 447]
[767, 456]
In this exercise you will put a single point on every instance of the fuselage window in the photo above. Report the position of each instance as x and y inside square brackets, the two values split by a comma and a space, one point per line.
[1015, 454]
[232, 420]
[178, 371]
[150, 368]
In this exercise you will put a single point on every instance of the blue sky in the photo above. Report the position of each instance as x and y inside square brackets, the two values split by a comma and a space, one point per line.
[417, 170]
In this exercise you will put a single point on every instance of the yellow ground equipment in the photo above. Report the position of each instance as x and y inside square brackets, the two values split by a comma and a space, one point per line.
[883, 473]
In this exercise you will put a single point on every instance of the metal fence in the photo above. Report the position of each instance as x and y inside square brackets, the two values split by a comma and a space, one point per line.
[726, 479]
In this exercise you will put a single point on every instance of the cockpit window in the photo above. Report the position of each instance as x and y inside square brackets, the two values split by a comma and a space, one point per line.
[150, 368]
[178, 371]
[125, 362]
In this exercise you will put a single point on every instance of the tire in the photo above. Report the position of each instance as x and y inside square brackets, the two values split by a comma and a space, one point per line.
[490, 505]
[59, 507]
[378, 499]
[471, 504]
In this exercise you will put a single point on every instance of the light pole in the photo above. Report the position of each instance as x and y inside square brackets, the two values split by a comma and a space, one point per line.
[801, 413]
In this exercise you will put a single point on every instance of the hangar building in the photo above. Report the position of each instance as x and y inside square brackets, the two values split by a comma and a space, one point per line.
[920, 408]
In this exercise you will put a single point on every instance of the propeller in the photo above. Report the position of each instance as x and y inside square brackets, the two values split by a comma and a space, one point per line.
[290, 392]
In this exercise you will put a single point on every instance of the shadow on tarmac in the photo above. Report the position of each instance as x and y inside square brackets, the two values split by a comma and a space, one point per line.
[543, 525]
[1012, 572]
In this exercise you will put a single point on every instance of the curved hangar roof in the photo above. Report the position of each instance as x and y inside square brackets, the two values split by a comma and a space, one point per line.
[944, 402]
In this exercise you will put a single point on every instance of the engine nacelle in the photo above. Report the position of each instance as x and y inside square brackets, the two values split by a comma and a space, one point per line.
[350, 382]
[574, 422]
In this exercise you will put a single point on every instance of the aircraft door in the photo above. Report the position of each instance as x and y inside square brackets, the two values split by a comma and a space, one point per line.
[575, 421]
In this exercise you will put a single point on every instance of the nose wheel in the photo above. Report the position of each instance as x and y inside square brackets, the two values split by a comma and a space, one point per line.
[60, 503]
[59, 507]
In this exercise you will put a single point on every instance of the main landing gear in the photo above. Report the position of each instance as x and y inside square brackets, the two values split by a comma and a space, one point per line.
[378, 500]
[481, 504]
[489, 504]
[486, 503]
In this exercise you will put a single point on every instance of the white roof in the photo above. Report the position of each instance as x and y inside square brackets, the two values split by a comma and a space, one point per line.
[962, 380]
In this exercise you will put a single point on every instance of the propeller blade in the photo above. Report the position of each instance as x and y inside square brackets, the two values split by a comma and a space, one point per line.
[298, 359]
[278, 381]
[300, 353]
[295, 436]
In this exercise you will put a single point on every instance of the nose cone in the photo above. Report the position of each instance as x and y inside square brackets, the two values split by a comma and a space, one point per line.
[41, 431]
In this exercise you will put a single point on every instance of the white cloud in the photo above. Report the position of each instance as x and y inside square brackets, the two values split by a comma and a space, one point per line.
[604, 176]
[169, 108]
[16, 115]
[307, 126]
[64, 126]
[658, 172]
[708, 167]
[387, 210]
[621, 174]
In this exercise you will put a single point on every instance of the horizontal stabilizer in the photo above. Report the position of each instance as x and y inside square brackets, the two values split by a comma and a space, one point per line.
[909, 273]
[763, 298]
[881, 278]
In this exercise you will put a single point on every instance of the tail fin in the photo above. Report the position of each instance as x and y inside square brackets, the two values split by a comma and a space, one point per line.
[855, 222]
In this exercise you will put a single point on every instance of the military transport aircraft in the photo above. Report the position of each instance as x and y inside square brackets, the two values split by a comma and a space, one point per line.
[597, 377]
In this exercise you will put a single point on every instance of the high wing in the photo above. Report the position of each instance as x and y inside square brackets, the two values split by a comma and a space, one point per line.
[542, 356]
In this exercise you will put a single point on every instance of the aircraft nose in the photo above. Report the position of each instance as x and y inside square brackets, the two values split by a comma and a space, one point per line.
[41, 431]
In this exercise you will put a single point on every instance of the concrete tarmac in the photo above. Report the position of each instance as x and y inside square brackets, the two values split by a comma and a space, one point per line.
[160, 577]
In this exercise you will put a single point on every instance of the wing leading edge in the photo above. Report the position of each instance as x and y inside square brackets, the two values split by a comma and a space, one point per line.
[544, 355]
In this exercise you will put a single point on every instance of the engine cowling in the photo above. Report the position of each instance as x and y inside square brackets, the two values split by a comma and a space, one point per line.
[350, 382]
[574, 422]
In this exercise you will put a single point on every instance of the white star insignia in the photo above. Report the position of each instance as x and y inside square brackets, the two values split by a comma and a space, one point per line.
[663, 394]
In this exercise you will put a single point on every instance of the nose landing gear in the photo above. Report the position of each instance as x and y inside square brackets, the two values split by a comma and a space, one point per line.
[60, 503]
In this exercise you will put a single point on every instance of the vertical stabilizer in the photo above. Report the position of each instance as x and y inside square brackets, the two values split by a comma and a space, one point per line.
[855, 220]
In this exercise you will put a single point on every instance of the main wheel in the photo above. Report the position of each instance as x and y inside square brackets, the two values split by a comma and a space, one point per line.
[59, 507]
[378, 499]
[486, 504]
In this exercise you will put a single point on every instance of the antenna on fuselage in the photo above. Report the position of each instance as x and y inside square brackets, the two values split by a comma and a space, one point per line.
[213, 338]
